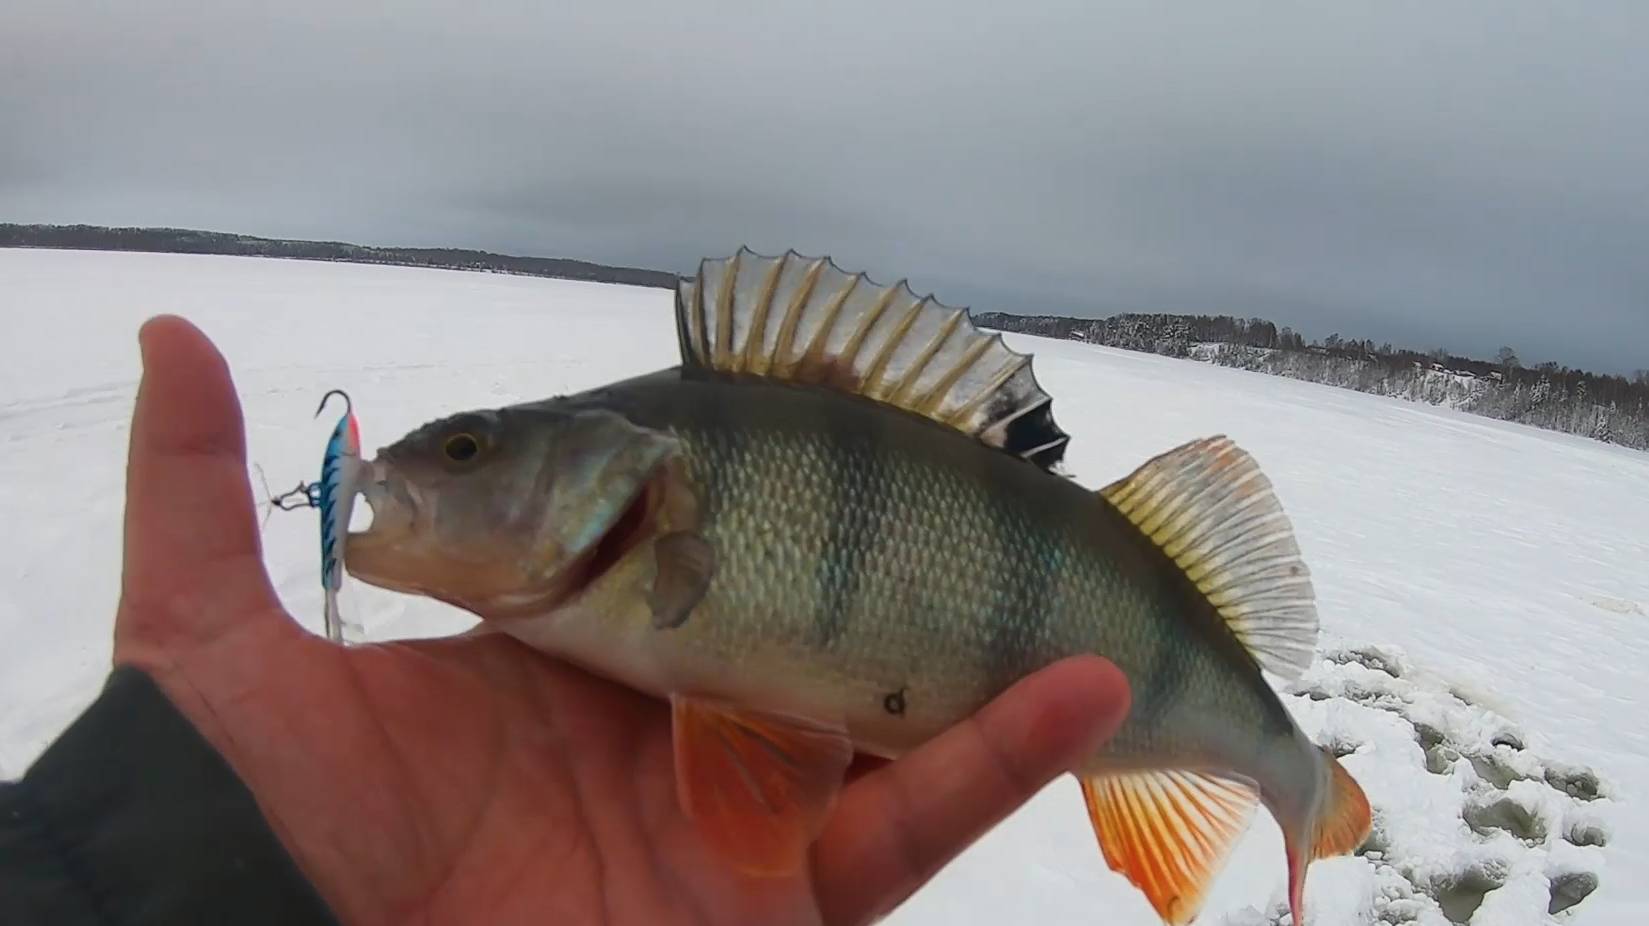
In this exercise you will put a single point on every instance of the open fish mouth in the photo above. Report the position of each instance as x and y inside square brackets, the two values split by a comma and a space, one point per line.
[370, 554]
[391, 501]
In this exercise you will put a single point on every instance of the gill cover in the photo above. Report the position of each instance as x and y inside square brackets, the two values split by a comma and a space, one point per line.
[602, 463]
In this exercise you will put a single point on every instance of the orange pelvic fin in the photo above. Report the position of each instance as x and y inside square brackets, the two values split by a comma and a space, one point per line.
[758, 785]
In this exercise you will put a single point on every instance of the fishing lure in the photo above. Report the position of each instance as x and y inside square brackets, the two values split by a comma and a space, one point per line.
[341, 475]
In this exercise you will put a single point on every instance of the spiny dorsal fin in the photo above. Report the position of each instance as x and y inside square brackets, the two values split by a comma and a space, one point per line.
[1168, 832]
[805, 320]
[1208, 506]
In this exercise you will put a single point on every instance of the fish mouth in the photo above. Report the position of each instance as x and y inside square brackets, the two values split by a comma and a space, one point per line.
[370, 553]
[391, 499]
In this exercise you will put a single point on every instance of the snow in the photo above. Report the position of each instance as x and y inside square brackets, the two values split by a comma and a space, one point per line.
[1482, 585]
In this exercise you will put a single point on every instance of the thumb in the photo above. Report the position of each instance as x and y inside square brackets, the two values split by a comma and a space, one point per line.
[896, 827]
[193, 561]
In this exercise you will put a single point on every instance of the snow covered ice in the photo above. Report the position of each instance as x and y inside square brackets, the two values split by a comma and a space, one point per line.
[1484, 587]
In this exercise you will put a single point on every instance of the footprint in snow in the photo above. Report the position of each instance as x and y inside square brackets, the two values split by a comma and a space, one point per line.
[1467, 818]
[1618, 606]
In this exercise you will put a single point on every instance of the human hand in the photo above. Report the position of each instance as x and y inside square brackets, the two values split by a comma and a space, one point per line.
[474, 780]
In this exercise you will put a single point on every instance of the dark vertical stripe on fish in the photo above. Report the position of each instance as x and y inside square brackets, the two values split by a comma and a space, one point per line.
[1022, 595]
[857, 499]
[1165, 680]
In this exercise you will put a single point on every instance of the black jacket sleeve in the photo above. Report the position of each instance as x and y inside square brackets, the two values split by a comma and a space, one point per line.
[131, 818]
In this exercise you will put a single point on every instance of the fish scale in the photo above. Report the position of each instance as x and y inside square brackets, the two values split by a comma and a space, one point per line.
[953, 596]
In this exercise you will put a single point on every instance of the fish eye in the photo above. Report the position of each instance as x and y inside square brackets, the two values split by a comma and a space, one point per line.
[461, 447]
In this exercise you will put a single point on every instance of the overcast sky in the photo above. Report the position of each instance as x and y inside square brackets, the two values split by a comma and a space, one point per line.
[1459, 174]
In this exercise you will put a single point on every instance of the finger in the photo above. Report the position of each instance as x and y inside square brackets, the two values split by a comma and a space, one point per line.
[898, 826]
[191, 526]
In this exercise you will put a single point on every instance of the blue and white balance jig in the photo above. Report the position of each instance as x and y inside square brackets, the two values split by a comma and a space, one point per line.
[341, 473]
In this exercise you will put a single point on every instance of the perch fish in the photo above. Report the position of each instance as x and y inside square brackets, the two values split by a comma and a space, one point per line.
[838, 525]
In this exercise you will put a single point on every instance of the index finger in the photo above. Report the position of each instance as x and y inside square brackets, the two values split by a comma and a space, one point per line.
[896, 827]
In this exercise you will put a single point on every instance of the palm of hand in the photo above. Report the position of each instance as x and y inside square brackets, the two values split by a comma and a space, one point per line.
[474, 780]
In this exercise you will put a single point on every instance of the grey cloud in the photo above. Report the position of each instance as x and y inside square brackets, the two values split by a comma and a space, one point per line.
[1467, 175]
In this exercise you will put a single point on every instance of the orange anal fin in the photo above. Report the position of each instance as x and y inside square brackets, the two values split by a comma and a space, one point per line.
[1168, 832]
[758, 785]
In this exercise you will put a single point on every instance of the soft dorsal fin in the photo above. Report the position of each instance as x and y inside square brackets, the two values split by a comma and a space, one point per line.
[1208, 506]
[805, 320]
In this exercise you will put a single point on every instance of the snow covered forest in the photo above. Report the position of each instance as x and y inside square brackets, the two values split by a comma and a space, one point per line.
[1612, 409]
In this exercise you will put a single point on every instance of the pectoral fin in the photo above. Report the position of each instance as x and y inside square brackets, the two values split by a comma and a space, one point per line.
[685, 564]
[758, 785]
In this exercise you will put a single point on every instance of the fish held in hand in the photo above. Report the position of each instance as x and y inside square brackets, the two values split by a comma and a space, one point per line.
[836, 526]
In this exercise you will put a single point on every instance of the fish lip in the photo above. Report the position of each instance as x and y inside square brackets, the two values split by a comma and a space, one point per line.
[382, 489]
[394, 508]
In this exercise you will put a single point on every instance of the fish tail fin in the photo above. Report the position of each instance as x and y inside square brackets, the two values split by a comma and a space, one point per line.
[1342, 821]
[1168, 831]
[1346, 817]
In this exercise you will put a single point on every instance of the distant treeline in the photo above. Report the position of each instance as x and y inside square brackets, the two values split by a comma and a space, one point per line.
[1614, 409]
[190, 241]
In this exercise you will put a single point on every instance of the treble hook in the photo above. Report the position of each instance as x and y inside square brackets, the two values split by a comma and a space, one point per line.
[304, 495]
[349, 407]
